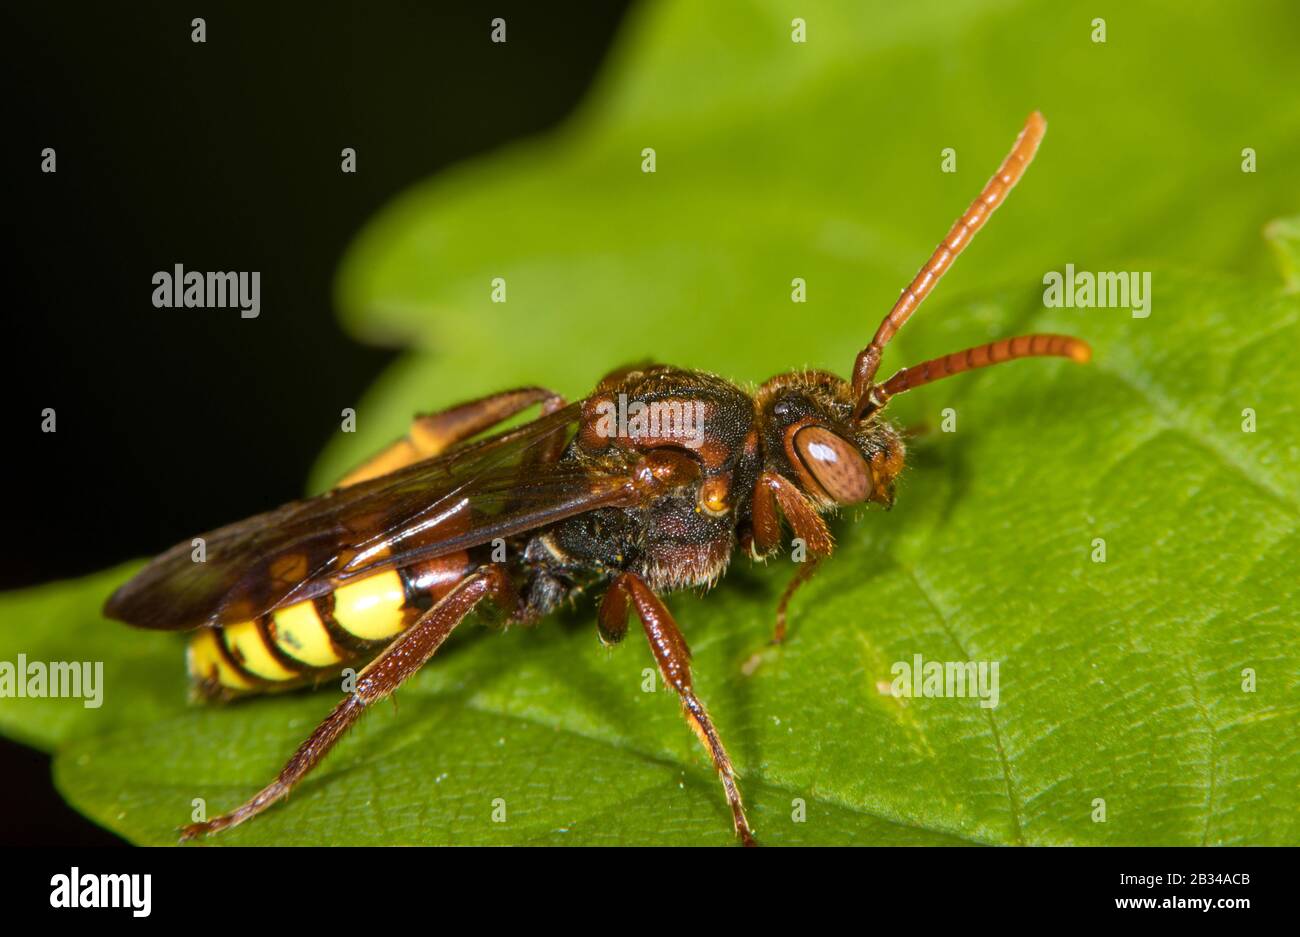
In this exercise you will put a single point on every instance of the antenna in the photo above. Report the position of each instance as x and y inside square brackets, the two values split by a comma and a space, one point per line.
[1003, 181]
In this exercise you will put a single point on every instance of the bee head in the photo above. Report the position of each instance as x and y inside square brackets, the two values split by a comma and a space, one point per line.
[811, 437]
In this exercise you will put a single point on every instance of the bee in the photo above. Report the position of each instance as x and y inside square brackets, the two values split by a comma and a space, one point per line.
[460, 516]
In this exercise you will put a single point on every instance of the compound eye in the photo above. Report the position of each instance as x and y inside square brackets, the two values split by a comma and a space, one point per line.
[835, 464]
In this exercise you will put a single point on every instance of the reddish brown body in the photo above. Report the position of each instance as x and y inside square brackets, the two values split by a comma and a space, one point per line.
[583, 498]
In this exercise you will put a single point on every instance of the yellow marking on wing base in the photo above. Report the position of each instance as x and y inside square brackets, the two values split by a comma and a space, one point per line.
[301, 634]
[206, 662]
[372, 609]
[245, 642]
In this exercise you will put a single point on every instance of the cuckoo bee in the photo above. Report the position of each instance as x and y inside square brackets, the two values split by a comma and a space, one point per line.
[378, 571]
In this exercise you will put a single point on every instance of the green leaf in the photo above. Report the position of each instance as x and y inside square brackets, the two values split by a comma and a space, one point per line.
[821, 160]
[1284, 238]
[61, 622]
[1120, 681]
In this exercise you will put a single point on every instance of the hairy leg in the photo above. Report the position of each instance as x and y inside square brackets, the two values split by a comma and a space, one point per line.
[407, 654]
[774, 491]
[674, 659]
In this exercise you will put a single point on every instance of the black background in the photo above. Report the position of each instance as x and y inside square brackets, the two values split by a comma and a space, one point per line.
[217, 156]
[968, 888]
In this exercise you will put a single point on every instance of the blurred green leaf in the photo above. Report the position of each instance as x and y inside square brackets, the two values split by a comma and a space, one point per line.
[1284, 238]
[1120, 681]
[61, 622]
[821, 160]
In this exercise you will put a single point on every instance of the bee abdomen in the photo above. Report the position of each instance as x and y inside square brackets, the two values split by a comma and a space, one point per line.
[312, 640]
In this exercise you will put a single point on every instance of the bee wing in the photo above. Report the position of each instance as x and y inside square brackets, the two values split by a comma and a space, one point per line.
[465, 497]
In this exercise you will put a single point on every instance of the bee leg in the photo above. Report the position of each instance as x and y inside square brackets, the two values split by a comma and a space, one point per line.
[771, 492]
[403, 657]
[433, 434]
[674, 659]
[805, 573]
